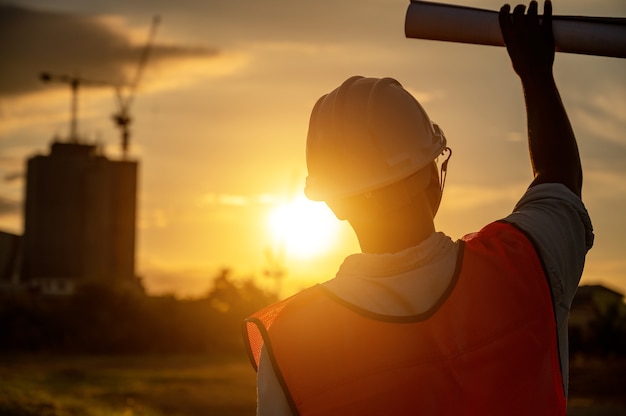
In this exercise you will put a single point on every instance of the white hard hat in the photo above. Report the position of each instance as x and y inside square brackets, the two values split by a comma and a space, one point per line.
[365, 135]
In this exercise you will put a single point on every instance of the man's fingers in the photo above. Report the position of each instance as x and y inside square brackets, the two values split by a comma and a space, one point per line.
[547, 16]
[532, 12]
[519, 10]
[547, 8]
[505, 20]
[518, 14]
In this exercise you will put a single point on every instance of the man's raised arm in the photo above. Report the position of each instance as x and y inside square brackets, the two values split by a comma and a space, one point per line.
[530, 44]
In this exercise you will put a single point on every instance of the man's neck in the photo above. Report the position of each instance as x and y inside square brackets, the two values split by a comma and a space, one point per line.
[396, 232]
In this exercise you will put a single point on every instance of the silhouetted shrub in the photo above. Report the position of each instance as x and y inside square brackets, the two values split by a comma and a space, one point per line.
[108, 319]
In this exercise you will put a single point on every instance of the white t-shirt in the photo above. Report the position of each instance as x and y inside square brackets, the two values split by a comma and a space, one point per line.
[411, 281]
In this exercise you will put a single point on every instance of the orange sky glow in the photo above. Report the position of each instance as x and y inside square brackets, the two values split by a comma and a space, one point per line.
[221, 116]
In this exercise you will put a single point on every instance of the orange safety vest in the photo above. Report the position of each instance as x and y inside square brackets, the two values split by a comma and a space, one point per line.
[489, 347]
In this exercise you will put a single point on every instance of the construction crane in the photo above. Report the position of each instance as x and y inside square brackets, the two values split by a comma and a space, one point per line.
[75, 82]
[122, 117]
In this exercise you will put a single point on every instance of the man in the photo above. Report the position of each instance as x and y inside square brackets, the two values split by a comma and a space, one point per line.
[417, 323]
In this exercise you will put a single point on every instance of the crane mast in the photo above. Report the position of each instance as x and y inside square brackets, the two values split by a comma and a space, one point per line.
[75, 82]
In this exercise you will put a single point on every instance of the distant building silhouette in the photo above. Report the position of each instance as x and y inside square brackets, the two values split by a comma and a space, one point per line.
[79, 219]
[9, 259]
[597, 323]
[591, 302]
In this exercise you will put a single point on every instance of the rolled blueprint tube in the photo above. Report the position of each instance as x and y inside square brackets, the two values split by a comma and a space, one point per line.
[600, 36]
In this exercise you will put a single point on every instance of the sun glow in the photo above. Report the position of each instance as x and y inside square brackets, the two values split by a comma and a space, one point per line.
[304, 228]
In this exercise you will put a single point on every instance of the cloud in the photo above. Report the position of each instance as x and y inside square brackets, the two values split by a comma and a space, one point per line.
[153, 218]
[237, 200]
[472, 197]
[608, 272]
[603, 113]
[13, 176]
[95, 48]
[8, 206]
[601, 119]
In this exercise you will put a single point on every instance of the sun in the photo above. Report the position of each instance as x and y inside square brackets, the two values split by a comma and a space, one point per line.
[304, 228]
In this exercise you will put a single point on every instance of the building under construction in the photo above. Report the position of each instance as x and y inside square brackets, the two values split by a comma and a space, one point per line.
[79, 219]
[80, 206]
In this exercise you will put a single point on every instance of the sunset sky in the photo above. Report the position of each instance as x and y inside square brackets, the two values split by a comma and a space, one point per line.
[221, 115]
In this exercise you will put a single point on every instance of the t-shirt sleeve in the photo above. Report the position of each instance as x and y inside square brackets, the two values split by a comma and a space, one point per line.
[557, 222]
[271, 399]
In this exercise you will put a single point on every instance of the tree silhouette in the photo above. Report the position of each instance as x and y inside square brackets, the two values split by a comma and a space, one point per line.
[608, 331]
[102, 318]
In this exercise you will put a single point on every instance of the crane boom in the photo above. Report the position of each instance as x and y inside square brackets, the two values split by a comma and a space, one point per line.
[122, 117]
[75, 82]
[156, 20]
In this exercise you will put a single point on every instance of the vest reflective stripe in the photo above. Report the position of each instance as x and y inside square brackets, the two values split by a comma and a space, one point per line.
[489, 347]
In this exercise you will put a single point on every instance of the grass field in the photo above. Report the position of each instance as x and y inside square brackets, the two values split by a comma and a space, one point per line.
[126, 386]
[597, 387]
[194, 386]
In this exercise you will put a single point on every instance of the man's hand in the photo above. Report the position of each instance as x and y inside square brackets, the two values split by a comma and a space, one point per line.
[529, 39]
[530, 44]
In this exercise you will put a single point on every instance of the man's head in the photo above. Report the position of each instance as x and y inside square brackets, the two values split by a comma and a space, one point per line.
[371, 149]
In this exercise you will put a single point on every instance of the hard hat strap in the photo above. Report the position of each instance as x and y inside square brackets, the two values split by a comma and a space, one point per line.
[444, 168]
